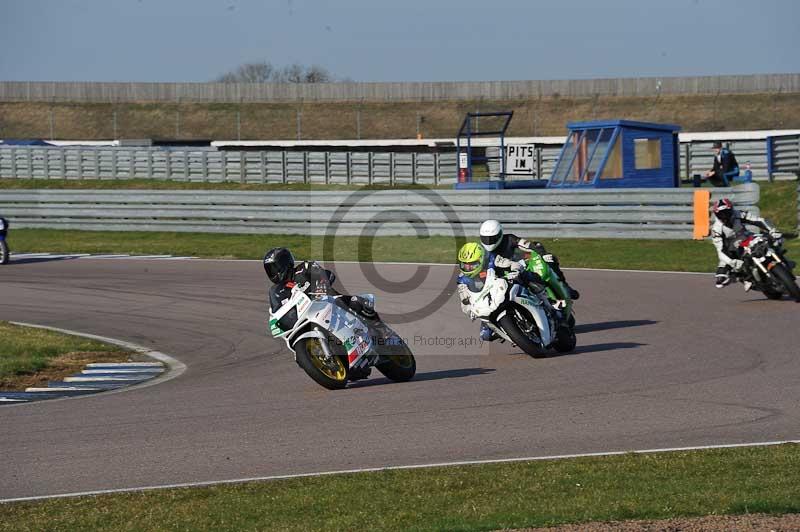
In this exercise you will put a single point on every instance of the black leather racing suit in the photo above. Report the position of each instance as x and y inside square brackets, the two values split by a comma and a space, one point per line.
[320, 283]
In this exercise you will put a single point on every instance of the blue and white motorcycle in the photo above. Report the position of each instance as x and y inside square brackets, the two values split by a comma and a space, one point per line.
[4, 253]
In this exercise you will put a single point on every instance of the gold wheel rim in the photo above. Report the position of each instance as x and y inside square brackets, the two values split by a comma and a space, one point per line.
[333, 369]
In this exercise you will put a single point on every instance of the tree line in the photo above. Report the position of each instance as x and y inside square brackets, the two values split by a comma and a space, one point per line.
[266, 72]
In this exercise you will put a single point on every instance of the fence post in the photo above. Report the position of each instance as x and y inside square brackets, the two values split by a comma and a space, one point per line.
[369, 168]
[149, 163]
[63, 157]
[186, 164]
[132, 163]
[114, 169]
[168, 169]
[413, 168]
[305, 167]
[263, 168]
[391, 168]
[284, 167]
[46, 169]
[349, 168]
[436, 168]
[204, 163]
[688, 155]
[327, 167]
[242, 169]
[30, 162]
[96, 163]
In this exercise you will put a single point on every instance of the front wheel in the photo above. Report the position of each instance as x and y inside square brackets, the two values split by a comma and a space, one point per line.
[329, 373]
[565, 340]
[787, 279]
[513, 323]
[4, 253]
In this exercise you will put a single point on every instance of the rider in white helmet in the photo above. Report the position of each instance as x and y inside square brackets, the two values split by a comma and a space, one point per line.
[510, 247]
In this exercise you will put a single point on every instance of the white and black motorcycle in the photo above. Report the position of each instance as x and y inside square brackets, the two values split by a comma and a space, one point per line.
[522, 316]
[334, 345]
[767, 268]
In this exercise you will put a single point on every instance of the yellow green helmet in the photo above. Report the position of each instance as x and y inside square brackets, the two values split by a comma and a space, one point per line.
[471, 259]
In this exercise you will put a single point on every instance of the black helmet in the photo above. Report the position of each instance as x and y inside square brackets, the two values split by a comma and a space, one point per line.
[279, 265]
[723, 210]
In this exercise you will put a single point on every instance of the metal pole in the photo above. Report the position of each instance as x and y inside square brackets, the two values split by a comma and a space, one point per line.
[299, 124]
[238, 124]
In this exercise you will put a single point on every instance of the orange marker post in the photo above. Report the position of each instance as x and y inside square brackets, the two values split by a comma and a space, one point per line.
[701, 221]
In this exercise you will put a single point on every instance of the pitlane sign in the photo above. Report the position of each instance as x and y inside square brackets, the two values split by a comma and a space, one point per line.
[520, 160]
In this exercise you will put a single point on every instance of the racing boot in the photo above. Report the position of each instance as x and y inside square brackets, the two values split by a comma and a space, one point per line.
[487, 334]
[722, 278]
[364, 307]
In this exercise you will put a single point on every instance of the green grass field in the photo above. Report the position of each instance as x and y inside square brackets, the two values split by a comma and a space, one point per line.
[479, 497]
[29, 355]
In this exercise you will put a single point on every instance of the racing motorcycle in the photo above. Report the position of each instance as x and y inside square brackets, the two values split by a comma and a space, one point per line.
[522, 315]
[764, 266]
[4, 252]
[334, 345]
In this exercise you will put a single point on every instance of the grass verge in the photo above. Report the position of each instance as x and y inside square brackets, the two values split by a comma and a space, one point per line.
[32, 357]
[480, 497]
[674, 255]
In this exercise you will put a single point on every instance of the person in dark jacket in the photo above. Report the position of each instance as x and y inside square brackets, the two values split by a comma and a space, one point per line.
[725, 166]
[316, 281]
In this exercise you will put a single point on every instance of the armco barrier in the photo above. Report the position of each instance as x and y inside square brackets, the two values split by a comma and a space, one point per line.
[235, 166]
[631, 213]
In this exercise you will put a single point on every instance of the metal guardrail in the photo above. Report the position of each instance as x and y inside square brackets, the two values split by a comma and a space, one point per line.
[219, 166]
[400, 91]
[631, 213]
[783, 155]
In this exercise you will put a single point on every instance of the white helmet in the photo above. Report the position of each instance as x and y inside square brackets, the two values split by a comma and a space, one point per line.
[491, 234]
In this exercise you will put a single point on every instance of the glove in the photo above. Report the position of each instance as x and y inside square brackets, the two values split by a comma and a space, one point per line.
[463, 299]
[548, 258]
[736, 264]
[776, 236]
[502, 262]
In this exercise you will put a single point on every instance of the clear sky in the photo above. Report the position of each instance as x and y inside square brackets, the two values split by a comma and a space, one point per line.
[405, 40]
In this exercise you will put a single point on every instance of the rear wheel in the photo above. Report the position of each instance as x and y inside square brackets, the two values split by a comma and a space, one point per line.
[787, 279]
[400, 367]
[330, 373]
[519, 327]
[3, 252]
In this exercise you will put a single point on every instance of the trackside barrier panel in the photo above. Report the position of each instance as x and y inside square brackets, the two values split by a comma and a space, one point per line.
[630, 213]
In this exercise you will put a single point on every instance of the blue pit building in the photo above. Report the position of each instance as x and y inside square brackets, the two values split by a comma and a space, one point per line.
[618, 154]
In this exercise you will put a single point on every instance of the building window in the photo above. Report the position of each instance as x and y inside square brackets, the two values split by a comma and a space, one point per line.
[647, 153]
[613, 167]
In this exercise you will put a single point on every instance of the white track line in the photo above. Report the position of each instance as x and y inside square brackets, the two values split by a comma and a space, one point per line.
[394, 468]
[176, 367]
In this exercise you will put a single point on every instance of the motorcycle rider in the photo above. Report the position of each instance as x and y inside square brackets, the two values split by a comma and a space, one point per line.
[727, 232]
[513, 248]
[316, 281]
[474, 262]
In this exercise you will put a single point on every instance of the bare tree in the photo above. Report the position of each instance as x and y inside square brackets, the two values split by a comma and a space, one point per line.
[264, 72]
[261, 72]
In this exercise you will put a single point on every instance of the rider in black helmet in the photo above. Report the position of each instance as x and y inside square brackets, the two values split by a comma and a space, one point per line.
[316, 281]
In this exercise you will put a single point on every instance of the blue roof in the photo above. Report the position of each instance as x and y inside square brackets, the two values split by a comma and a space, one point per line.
[624, 123]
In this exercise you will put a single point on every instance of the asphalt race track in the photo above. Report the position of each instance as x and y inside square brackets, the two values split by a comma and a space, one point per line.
[664, 360]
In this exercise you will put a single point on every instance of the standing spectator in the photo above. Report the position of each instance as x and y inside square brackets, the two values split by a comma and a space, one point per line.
[725, 166]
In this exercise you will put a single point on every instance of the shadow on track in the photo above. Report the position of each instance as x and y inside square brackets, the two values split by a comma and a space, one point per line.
[32, 260]
[607, 325]
[596, 348]
[428, 376]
